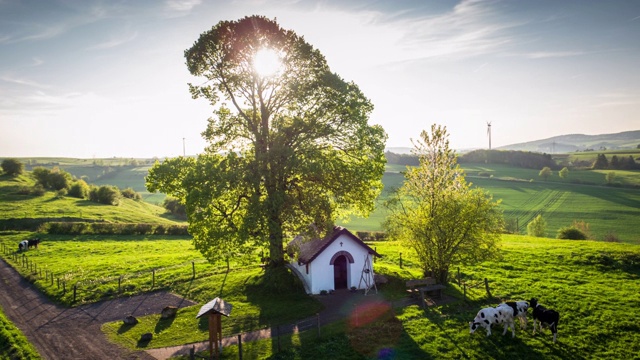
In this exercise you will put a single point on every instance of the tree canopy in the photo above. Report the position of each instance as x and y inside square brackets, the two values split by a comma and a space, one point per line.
[287, 148]
[438, 213]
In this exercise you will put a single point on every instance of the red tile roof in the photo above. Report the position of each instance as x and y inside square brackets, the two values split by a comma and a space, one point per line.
[309, 250]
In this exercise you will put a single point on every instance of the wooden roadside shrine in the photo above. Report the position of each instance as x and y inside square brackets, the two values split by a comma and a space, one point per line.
[214, 309]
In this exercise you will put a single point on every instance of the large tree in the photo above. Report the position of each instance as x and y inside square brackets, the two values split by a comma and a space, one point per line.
[289, 144]
[438, 214]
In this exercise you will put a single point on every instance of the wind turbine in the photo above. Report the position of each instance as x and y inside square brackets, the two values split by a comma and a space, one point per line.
[489, 133]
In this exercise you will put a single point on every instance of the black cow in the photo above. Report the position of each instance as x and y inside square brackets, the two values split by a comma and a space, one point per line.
[545, 316]
[33, 243]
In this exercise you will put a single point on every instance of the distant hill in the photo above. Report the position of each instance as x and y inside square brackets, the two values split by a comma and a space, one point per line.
[580, 142]
[563, 143]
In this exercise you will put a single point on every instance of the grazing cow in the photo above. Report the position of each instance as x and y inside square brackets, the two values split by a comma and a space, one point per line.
[545, 316]
[33, 243]
[23, 245]
[519, 311]
[486, 317]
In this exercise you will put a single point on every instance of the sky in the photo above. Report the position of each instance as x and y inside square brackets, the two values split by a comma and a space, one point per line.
[99, 79]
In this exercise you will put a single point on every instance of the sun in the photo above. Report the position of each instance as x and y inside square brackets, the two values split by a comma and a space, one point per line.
[266, 62]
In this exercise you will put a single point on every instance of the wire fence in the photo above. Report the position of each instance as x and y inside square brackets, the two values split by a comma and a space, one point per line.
[112, 286]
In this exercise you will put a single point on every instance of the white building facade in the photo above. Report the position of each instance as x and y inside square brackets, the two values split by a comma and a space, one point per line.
[339, 261]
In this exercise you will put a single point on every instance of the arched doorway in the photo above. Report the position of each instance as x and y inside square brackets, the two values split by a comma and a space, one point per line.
[340, 272]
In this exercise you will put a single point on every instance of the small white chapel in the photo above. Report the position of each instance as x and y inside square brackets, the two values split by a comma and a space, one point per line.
[338, 261]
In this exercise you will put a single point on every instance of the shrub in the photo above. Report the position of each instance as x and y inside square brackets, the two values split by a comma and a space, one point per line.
[58, 180]
[12, 167]
[38, 190]
[79, 189]
[106, 194]
[611, 237]
[129, 193]
[61, 193]
[571, 233]
[175, 207]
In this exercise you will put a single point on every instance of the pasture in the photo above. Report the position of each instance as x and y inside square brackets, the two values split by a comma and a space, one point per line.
[13, 343]
[594, 286]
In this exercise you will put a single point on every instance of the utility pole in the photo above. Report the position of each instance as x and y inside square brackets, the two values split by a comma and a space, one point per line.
[184, 153]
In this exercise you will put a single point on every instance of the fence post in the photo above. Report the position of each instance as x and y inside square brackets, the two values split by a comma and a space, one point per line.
[400, 260]
[239, 346]
[318, 323]
[153, 280]
[52, 278]
[58, 283]
[486, 285]
[119, 281]
[458, 276]
[375, 248]
[75, 287]
[192, 353]
[64, 287]
[193, 269]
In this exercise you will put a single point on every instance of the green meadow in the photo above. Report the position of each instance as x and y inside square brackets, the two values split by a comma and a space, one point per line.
[594, 286]
[13, 343]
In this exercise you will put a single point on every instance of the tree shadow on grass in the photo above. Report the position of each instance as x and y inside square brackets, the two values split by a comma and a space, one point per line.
[163, 324]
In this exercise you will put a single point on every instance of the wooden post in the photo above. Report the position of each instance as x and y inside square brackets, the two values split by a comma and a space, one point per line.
[400, 260]
[486, 285]
[52, 278]
[192, 353]
[193, 269]
[64, 287]
[119, 282]
[153, 278]
[75, 288]
[375, 248]
[239, 346]
[458, 276]
[214, 326]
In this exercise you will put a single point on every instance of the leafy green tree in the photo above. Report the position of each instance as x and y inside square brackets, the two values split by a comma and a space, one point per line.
[59, 179]
[614, 163]
[610, 177]
[563, 173]
[537, 227]
[439, 214]
[12, 167]
[601, 162]
[545, 173]
[287, 148]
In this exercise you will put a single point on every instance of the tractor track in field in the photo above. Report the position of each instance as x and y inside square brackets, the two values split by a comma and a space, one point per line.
[59, 332]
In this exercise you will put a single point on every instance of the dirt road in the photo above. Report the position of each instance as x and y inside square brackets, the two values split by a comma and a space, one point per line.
[73, 333]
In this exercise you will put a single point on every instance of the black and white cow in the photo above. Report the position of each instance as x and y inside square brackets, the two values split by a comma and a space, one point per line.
[23, 245]
[545, 316]
[519, 311]
[502, 314]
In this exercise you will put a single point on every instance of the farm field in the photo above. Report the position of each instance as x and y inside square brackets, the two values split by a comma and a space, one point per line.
[594, 286]
[581, 196]
[607, 209]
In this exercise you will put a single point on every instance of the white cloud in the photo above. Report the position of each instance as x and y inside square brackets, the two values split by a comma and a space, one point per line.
[181, 7]
[114, 42]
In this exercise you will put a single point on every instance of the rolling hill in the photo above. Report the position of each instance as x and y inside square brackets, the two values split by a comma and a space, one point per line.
[580, 142]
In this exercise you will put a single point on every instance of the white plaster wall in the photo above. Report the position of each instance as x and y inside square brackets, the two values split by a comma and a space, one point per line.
[322, 272]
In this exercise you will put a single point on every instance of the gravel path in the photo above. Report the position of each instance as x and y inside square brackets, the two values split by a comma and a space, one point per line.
[73, 333]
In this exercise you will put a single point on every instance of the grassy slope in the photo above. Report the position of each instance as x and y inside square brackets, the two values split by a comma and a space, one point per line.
[13, 344]
[13, 205]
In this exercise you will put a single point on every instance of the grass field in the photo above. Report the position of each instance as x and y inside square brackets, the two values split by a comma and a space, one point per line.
[594, 286]
[16, 206]
[13, 343]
